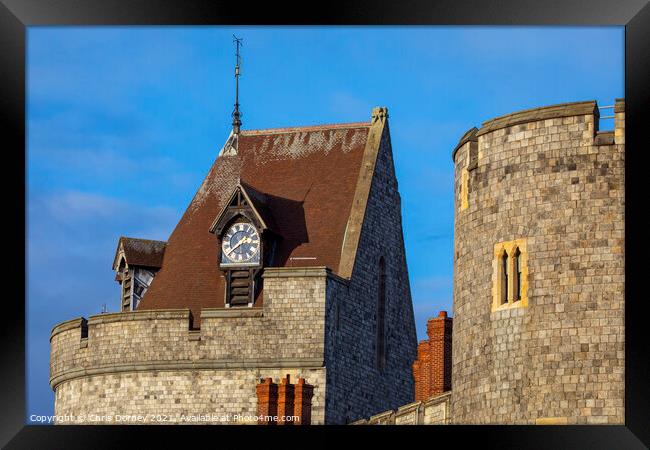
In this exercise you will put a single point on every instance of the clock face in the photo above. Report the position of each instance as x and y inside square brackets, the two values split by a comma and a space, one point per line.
[240, 245]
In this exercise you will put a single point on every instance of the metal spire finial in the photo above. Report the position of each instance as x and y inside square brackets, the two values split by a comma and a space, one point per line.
[236, 115]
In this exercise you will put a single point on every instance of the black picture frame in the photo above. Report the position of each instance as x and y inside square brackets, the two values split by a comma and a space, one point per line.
[16, 15]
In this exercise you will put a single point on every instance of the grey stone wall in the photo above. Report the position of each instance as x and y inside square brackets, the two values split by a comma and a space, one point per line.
[192, 397]
[356, 388]
[149, 362]
[547, 177]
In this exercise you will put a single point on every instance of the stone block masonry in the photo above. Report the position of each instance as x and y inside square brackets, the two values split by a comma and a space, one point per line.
[149, 362]
[547, 177]
[432, 411]
[358, 385]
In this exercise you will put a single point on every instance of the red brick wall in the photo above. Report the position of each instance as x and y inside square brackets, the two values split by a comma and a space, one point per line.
[432, 368]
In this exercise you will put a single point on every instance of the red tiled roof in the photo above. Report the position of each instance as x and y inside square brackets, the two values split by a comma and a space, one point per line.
[141, 252]
[308, 176]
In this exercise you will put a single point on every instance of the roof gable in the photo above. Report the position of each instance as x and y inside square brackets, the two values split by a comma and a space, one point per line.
[139, 252]
[303, 183]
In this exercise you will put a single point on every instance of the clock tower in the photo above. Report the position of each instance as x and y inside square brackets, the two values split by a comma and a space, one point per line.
[244, 231]
[288, 264]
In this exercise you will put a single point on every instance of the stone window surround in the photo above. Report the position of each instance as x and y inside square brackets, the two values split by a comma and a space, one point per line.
[464, 190]
[510, 247]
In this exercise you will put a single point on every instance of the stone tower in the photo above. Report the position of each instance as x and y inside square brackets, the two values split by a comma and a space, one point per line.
[289, 260]
[538, 333]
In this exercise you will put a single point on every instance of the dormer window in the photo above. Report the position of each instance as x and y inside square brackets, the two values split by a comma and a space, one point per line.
[136, 263]
[141, 281]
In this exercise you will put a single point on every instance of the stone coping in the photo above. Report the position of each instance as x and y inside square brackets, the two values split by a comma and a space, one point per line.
[469, 136]
[408, 408]
[209, 313]
[381, 415]
[359, 422]
[203, 364]
[145, 314]
[316, 271]
[68, 325]
[154, 314]
[541, 113]
[287, 272]
[589, 107]
[619, 105]
[437, 399]
[404, 409]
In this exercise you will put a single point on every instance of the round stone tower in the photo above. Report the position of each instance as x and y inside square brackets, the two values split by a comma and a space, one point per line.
[538, 331]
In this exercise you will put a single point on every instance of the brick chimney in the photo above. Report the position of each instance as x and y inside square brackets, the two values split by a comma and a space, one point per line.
[432, 368]
[302, 404]
[275, 401]
[285, 401]
[267, 401]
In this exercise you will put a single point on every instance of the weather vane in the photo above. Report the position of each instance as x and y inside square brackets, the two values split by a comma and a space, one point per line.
[236, 115]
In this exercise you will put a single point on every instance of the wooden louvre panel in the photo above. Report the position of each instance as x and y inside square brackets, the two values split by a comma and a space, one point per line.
[126, 290]
[240, 283]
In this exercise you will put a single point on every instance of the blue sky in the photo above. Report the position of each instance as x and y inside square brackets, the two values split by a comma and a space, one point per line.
[124, 122]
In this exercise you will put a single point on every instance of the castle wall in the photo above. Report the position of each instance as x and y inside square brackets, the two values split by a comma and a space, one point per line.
[431, 411]
[357, 388]
[150, 362]
[547, 179]
[174, 396]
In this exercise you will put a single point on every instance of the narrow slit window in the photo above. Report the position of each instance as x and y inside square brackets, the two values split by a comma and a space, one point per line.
[504, 277]
[517, 271]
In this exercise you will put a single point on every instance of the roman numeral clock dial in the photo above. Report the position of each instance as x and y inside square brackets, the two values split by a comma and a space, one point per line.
[240, 245]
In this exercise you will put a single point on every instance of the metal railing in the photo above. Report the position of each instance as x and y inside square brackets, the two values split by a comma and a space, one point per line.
[601, 124]
[607, 107]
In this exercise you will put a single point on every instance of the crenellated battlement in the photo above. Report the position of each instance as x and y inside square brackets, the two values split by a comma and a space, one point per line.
[575, 122]
[286, 332]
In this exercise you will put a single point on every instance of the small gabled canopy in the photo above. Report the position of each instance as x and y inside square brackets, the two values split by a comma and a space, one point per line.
[257, 203]
[140, 252]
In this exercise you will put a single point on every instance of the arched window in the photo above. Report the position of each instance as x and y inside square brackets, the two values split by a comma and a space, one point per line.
[517, 273]
[510, 266]
[504, 277]
[381, 316]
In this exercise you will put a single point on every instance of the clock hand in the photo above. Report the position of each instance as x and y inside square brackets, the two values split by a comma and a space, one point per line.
[243, 240]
